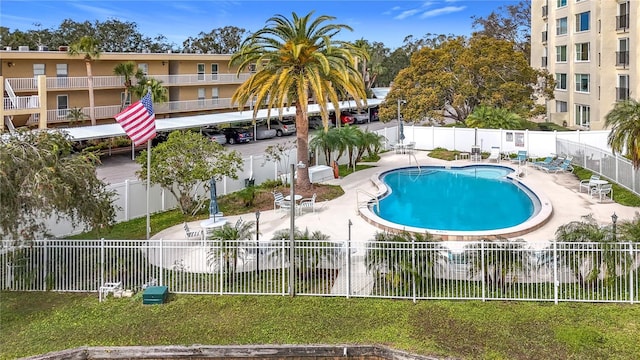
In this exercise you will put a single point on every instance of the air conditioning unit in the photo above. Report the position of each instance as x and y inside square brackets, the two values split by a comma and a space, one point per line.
[7, 48]
[63, 48]
[23, 48]
[146, 51]
[43, 48]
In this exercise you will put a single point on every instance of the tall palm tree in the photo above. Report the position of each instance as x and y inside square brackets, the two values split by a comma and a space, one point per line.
[128, 70]
[294, 59]
[624, 121]
[89, 48]
[364, 55]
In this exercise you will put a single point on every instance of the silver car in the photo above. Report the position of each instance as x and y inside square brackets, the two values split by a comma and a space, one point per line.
[361, 116]
[283, 127]
[214, 135]
[263, 132]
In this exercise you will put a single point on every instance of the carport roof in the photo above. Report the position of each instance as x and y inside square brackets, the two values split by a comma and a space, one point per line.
[196, 121]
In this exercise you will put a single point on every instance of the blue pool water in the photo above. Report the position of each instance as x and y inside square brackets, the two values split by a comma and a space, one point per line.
[460, 199]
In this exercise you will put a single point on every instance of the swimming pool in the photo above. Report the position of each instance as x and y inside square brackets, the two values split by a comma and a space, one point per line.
[466, 202]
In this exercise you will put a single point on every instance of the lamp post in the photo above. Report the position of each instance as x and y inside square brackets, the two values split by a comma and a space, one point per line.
[614, 219]
[293, 224]
[258, 243]
[400, 102]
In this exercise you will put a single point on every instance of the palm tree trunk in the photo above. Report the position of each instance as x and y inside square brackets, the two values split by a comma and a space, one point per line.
[92, 104]
[302, 137]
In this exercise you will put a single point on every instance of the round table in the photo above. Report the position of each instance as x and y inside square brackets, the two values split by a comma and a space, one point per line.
[296, 197]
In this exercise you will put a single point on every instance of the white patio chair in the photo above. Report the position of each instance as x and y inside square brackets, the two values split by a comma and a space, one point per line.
[603, 191]
[588, 184]
[494, 155]
[279, 202]
[308, 203]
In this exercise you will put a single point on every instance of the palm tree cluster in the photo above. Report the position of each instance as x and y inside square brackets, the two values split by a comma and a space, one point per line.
[347, 139]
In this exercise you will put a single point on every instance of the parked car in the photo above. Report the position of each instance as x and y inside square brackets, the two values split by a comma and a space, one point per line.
[374, 113]
[283, 127]
[361, 116]
[214, 134]
[315, 122]
[263, 132]
[237, 135]
[345, 118]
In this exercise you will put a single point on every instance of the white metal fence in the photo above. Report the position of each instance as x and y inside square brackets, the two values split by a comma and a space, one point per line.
[483, 270]
[603, 162]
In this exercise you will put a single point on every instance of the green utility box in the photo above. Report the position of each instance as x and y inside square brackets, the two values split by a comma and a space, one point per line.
[155, 295]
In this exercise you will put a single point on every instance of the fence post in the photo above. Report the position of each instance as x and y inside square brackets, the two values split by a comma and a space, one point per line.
[101, 262]
[413, 266]
[631, 273]
[482, 265]
[349, 266]
[46, 263]
[126, 200]
[556, 282]
[161, 263]
[284, 284]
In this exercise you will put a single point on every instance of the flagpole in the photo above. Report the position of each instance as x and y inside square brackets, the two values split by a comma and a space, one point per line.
[148, 186]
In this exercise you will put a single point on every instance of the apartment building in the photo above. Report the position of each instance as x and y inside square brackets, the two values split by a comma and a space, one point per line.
[592, 47]
[41, 87]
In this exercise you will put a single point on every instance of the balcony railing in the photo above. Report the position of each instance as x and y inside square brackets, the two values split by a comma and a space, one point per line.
[544, 61]
[622, 58]
[544, 36]
[622, 22]
[107, 82]
[622, 94]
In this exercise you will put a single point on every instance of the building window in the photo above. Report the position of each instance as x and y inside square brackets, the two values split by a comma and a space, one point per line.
[215, 95]
[622, 55]
[582, 51]
[561, 53]
[144, 68]
[561, 26]
[38, 69]
[561, 81]
[62, 106]
[214, 72]
[562, 3]
[201, 97]
[126, 102]
[622, 20]
[582, 21]
[61, 75]
[200, 71]
[583, 115]
[622, 91]
[561, 106]
[582, 83]
[252, 68]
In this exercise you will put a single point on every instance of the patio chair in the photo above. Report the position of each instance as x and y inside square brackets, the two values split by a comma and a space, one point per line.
[108, 287]
[564, 167]
[494, 155]
[279, 202]
[553, 164]
[192, 233]
[543, 163]
[521, 158]
[308, 203]
[603, 191]
[588, 184]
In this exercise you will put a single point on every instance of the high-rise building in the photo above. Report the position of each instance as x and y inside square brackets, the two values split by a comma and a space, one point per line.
[592, 49]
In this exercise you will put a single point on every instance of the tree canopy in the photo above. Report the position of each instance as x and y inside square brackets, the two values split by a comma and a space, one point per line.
[624, 122]
[186, 160]
[224, 40]
[450, 80]
[40, 178]
[294, 59]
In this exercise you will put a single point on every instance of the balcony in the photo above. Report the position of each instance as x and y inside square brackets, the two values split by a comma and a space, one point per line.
[622, 58]
[622, 94]
[622, 22]
[544, 36]
[114, 82]
[544, 61]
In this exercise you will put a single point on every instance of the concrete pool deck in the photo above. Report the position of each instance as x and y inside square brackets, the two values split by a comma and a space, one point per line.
[332, 217]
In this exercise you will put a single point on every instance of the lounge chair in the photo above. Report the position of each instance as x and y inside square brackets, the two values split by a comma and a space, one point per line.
[543, 163]
[521, 158]
[602, 191]
[588, 184]
[192, 233]
[308, 203]
[553, 164]
[494, 155]
[564, 167]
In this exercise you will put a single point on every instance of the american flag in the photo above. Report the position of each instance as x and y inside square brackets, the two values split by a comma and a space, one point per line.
[138, 120]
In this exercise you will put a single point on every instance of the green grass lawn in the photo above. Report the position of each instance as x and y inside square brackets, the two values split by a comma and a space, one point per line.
[34, 323]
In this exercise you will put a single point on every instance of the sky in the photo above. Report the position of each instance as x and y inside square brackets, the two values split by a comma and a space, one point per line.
[388, 22]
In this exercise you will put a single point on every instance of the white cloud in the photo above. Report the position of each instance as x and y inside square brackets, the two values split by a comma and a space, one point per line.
[442, 11]
[405, 14]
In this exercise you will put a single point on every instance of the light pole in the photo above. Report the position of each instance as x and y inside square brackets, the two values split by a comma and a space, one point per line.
[293, 224]
[400, 135]
[614, 219]
[258, 243]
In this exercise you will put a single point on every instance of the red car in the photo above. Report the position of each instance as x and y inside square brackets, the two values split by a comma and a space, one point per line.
[346, 118]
